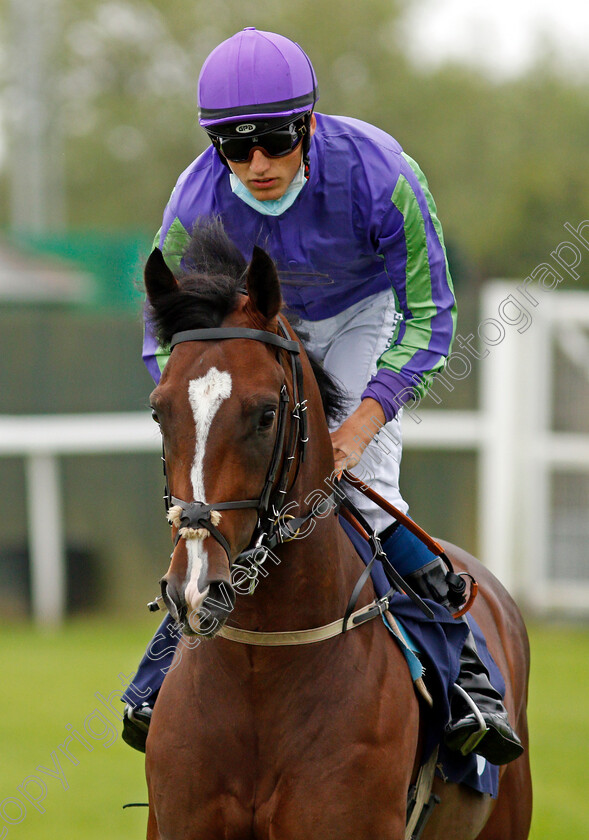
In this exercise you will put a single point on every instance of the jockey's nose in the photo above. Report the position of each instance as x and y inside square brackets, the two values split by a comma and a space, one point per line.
[259, 162]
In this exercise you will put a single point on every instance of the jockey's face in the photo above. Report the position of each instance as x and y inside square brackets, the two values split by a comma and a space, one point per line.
[268, 178]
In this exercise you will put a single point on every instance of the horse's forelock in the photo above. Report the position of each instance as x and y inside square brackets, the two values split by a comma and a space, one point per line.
[210, 285]
[209, 282]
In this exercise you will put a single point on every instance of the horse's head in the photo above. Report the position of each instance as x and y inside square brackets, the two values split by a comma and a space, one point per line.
[218, 404]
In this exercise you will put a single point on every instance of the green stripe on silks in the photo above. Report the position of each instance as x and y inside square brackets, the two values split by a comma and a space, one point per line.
[174, 245]
[418, 286]
[437, 225]
[418, 281]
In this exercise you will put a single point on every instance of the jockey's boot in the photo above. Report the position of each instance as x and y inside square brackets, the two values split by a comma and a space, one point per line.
[479, 721]
[136, 722]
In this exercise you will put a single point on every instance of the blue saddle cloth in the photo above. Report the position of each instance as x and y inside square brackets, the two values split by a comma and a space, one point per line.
[438, 642]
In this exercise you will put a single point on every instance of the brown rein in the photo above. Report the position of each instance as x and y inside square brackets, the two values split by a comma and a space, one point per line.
[412, 526]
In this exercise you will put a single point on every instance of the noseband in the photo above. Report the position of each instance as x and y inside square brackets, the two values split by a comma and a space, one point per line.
[269, 505]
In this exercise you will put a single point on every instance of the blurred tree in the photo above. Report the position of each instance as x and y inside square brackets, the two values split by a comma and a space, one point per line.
[506, 160]
[127, 88]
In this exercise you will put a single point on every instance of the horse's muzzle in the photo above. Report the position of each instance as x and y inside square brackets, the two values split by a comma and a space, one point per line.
[215, 609]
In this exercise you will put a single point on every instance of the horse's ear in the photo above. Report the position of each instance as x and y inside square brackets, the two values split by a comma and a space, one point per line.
[158, 278]
[263, 285]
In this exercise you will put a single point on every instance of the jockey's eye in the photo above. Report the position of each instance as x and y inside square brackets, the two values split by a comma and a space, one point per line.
[267, 418]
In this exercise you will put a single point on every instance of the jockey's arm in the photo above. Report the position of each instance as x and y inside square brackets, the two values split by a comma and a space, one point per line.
[355, 433]
[409, 238]
[172, 241]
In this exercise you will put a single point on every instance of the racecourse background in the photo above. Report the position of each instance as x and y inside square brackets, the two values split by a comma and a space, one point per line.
[52, 690]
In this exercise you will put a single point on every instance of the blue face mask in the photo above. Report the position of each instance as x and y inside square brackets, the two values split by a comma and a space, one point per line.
[272, 207]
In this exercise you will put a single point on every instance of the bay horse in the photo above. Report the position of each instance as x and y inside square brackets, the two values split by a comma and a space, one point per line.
[289, 741]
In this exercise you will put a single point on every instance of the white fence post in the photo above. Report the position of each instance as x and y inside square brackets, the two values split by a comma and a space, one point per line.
[46, 543]
[538, 396]
[40, 440]
[499, 453]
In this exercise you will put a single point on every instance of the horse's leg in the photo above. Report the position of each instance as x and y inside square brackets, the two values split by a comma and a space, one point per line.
[340, 769]
[198, 760]
[460, 815]
[512, 814]
[362, 797]
[152, 829]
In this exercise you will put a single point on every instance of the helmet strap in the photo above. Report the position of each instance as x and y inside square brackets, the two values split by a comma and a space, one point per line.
[307, 145]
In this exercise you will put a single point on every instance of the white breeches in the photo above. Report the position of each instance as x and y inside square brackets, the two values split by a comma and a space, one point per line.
[349, 345]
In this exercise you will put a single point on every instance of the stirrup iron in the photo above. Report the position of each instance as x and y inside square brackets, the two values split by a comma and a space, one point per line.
[473, 740]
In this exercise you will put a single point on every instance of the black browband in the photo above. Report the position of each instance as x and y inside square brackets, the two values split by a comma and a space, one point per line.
[220, 333]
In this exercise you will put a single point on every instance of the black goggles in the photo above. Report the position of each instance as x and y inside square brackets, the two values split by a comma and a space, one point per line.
[276, 142]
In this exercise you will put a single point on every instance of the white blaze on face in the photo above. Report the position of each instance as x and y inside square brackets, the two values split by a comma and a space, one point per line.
[205, 395]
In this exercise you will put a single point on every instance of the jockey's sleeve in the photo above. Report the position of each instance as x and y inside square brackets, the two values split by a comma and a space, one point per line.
[410, 240]
[172, 239]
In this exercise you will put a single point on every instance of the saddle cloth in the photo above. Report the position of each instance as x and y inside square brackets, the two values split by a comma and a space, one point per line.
[438, 643]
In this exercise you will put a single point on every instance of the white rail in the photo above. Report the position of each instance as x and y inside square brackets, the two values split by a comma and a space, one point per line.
[510, 433]
[41, 441]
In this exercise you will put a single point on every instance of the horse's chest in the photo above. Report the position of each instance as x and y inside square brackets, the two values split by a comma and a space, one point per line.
[290, 776]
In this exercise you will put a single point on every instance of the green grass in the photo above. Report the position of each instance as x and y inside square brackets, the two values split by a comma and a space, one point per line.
[50, 681]
[559, 732]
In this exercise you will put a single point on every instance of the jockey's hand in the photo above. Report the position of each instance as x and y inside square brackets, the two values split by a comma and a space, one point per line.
[355, 433]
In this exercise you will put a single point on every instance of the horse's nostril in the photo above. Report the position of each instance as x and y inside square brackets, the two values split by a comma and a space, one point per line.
[171, 597]
[220, 599]
[214, 610]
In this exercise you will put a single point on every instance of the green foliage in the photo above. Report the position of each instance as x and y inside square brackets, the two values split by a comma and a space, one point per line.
[506, 160]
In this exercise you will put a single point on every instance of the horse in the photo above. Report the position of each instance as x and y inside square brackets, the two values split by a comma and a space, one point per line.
[283, 741]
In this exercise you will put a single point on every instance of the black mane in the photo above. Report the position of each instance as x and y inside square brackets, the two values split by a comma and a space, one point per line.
[211, 279]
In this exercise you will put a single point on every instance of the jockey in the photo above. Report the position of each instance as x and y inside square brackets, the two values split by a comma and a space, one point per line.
[348, 218]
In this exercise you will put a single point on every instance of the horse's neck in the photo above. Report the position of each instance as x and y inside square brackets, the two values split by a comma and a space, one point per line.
[307, 581]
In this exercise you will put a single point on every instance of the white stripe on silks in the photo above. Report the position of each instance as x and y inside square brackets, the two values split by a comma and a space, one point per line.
[205, 395]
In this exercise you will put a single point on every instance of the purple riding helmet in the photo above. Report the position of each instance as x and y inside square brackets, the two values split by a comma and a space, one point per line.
[256, 83]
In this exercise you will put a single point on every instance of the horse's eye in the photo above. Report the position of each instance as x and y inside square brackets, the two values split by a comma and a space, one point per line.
[154, 416]
[267, 418]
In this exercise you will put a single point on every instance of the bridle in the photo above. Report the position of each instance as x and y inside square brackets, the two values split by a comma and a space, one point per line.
[270, 529]
[273, 528]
